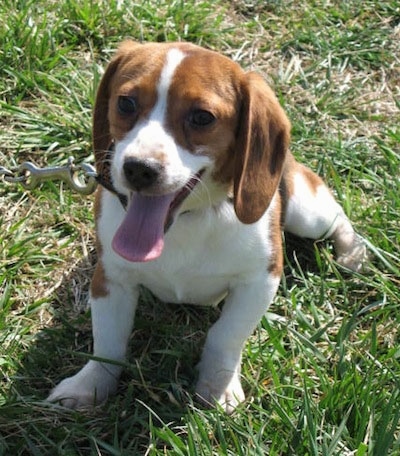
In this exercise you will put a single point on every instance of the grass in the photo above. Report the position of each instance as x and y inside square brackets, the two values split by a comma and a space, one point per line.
[322, 371]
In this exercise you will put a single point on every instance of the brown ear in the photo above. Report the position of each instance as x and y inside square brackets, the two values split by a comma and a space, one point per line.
[261, 146]
[101, 127]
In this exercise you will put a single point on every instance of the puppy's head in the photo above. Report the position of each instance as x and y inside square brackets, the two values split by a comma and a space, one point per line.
[178, 114]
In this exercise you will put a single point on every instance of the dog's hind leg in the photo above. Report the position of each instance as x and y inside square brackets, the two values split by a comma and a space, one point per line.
[312, 212]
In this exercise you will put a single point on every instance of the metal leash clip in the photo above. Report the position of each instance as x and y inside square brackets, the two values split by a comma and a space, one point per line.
[6, 173]
[81, 178]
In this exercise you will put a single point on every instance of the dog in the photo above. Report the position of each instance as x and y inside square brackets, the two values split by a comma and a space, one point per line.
[197, 184]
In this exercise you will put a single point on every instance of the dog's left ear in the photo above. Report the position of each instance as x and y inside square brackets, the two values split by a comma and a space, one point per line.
[101, 126]
[261, 145]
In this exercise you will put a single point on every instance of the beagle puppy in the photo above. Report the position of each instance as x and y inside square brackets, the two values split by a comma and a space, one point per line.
[197, 183]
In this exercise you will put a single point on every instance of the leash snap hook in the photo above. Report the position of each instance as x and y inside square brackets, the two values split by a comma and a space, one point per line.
[5, 173]
[81, 178]
[26, 175]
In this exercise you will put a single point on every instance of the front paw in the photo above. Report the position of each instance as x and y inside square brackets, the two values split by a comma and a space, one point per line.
[90, 386]
[223, 388]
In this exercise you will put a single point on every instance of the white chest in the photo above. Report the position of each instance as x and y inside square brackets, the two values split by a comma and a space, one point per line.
[205, 254]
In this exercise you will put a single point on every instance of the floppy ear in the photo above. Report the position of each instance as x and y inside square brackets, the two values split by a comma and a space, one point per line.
[101, 127]
[261, 146]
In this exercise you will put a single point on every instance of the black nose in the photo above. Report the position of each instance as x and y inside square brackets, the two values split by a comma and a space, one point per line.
[141, 174]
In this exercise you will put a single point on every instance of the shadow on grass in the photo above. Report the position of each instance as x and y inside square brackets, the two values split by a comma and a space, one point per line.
[155, 388]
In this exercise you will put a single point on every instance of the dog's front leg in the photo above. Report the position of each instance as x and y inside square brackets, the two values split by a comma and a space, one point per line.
[219, 368]
[112, 320]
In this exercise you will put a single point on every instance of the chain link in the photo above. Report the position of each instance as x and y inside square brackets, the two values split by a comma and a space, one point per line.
[5, 173]
[81, 178]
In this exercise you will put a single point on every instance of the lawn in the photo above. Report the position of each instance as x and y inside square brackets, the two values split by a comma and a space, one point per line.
[322, 371]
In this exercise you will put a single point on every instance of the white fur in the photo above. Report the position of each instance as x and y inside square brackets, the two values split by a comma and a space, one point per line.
[310, 213]
[208, 254]
[174, 58]
[188, 276]
[147, 140]
[314, 213]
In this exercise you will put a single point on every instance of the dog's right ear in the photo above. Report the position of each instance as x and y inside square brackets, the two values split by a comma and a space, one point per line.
[101, 126]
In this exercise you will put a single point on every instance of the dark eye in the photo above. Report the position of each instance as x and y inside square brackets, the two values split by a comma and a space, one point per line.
[127, 105]
[200, 118]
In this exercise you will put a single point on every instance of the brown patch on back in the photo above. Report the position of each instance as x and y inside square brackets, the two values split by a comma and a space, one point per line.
[286, 186]
[293, 167]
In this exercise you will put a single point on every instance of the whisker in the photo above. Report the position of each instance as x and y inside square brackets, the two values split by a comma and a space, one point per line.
[196, 191]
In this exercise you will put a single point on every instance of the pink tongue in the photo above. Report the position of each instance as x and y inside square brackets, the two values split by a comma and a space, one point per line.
[141, 234]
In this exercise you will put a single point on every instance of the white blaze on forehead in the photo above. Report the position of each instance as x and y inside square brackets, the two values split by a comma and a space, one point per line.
[150, 140]
[149, 134]
[174, 58]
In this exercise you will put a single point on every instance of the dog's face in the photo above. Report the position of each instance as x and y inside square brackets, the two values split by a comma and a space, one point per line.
[170, 119]
[179, 114]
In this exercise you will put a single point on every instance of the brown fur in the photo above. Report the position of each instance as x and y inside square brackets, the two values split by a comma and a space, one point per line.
[262, 145]
[98, 286]
[192, 90]
[293, 167]
[248, 145]
[124, 73]
[275, 266]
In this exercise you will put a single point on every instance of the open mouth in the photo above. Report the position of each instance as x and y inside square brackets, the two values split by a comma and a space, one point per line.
[180, 197]
[141, 234]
